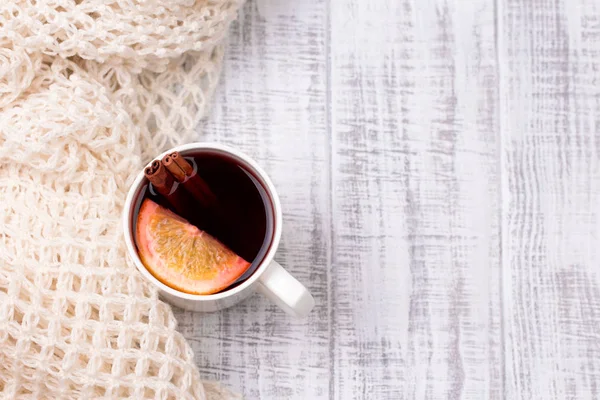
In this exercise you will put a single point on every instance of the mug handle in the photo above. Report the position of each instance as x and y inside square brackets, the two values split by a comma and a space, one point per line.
[285, 291]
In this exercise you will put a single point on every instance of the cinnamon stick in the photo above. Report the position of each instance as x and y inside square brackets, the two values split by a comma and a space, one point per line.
[184, 173]
[164, 184]
[173, 168]
[209, 215]
[182, 163]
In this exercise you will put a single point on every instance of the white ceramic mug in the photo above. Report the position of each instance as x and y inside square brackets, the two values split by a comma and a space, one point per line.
[269, 278]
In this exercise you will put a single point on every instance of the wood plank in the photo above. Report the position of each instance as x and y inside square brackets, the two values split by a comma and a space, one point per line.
[550, 102]
[271, 104]
[415, 295]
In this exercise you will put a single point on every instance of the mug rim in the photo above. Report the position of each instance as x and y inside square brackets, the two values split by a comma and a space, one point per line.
[267, 259]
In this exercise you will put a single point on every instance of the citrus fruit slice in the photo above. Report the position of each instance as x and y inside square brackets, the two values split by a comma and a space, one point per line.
[182, 256]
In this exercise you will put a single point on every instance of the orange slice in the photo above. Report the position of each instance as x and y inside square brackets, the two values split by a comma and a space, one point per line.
[182, 256]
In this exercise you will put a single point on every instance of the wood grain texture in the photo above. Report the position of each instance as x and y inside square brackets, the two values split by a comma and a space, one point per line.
[415, 295]
[550, 102]
[272, 105]
[438, 164]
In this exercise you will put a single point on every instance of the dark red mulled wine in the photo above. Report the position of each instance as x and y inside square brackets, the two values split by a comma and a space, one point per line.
[241, 215]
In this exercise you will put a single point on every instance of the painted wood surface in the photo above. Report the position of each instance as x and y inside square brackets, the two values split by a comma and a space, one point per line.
[438, 167]
[415, 288]
[272, 104]
[550, 125]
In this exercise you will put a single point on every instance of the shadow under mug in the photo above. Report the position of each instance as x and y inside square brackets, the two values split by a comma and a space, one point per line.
[269, 278]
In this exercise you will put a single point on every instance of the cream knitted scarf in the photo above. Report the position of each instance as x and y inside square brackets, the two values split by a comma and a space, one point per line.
[89, 90]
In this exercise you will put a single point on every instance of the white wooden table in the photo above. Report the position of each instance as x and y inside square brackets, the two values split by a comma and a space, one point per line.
[438, 165]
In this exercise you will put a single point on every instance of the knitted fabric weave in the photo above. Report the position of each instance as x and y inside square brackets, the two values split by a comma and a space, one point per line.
[89, 90]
